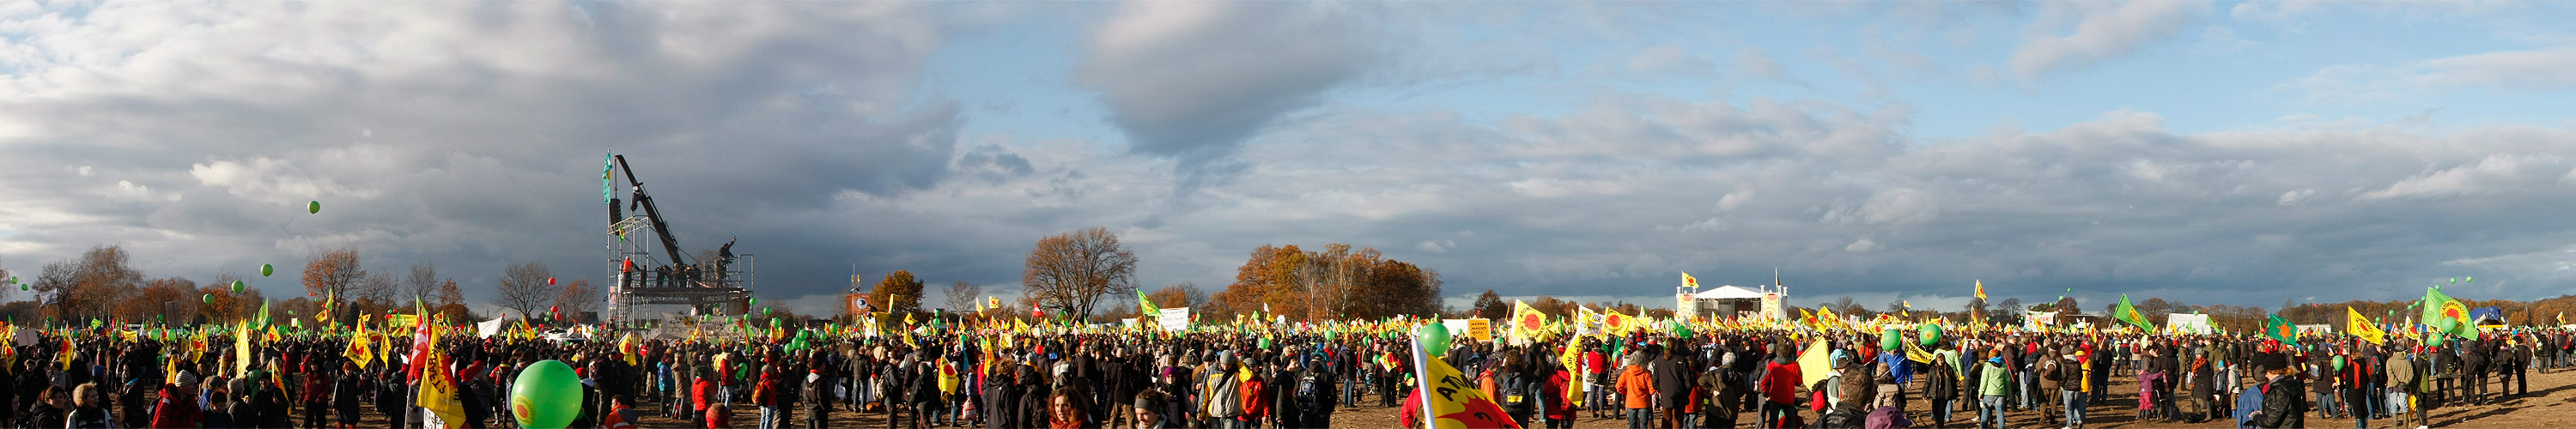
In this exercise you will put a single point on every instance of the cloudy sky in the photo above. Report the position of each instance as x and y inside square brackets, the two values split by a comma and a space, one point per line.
[2228, 152]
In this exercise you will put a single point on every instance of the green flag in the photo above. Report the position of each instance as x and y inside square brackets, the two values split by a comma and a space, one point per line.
[2444, 315]
[2129, 313]
[2281, 329]
[1147, 305]
[262, 318]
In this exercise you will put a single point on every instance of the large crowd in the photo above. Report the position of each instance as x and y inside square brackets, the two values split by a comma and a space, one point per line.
[1283, 378]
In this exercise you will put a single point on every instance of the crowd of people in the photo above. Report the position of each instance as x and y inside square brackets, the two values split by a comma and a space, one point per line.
[1282, 378]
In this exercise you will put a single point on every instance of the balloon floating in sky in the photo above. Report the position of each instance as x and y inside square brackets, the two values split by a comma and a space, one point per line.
[237, 286]
[210, 298]
[266, 270]
[550, 281]
[313, 207]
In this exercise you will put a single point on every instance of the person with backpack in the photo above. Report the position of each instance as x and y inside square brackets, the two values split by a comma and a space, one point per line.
[1517, 390]
[1316, 391]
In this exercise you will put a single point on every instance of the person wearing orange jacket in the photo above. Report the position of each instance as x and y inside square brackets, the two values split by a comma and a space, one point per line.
[1638, 388]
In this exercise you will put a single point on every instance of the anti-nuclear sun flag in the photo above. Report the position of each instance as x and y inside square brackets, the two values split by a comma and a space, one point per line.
[1452, 401]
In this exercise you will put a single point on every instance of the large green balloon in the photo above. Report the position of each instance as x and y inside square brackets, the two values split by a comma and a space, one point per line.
[539, 398]
[266, 270]
[1435, 340]
[1890, 339]
[1931, 334]
[314, 207]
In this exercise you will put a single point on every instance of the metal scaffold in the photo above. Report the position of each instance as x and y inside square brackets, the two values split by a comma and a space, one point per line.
[648, 268]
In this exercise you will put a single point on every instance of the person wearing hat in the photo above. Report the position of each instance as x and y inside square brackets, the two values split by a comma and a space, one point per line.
[178, 405]
[2282, 405]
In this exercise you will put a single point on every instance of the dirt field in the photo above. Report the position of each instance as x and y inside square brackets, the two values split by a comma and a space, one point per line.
[2552, 404]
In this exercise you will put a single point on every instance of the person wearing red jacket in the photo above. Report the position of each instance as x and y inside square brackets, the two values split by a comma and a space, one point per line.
[1779, 385]
[620, 416]
[1596, 372]
[178, 405]
[1558, 412]
[702, 394]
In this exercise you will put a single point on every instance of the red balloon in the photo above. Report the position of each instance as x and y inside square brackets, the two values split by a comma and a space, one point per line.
[550, 281]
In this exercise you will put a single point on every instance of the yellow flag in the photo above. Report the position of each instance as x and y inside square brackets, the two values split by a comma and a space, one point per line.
[438, 391]
[358, 351]
[1819, 357]
[1915, 352]
[241, 349]
[2360, 326]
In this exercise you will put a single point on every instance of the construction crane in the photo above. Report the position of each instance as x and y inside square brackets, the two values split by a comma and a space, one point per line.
[653, 214]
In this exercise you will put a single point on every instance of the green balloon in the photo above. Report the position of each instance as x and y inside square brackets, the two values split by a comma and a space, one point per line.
[774, 323]
[1435, 340]
[266, 270]
[1890, 339]
[537, 399]
[237, 286]
[210, 298]
[767, 311]
[754, 301]
[313, 207]
[1931, 334]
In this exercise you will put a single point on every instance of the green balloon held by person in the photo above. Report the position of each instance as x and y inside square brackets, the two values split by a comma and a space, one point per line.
[1890, 339]
[1931, 334]
[1435, 340]
[539, 397]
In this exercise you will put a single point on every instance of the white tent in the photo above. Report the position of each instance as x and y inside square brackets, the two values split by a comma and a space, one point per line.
[1728, 292]
[2188, 323]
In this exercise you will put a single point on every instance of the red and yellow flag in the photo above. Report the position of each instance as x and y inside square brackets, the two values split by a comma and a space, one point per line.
[1452, 401]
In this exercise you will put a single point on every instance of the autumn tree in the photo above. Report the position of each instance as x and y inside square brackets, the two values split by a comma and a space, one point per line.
[1071, 272]
[897, 293]
[963, 296]
[332, 273]
[170, 299]
[578, 296]
[89, 286]
[1491, 306]
[1185, 294]
[524, 289]
[451, 301]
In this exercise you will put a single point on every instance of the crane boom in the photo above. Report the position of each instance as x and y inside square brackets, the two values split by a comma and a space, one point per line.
[654, 214]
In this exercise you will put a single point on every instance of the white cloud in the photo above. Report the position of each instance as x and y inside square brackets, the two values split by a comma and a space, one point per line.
[2525, 70]
[1863, 245]
[1668, 60]
[2103, 32]
[2495, 173]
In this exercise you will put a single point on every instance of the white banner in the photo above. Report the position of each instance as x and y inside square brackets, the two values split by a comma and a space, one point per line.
[1176, 319]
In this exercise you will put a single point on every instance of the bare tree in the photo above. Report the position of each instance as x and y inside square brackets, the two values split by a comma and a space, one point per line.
[377, 290]
[577, 297]
[1071, 272]
[524, 289]
[422, 284]
[963, 296]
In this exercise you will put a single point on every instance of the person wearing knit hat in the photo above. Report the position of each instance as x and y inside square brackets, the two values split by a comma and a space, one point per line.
[177, 407]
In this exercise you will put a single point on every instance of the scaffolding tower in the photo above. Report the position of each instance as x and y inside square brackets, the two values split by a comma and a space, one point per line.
[719, 286]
